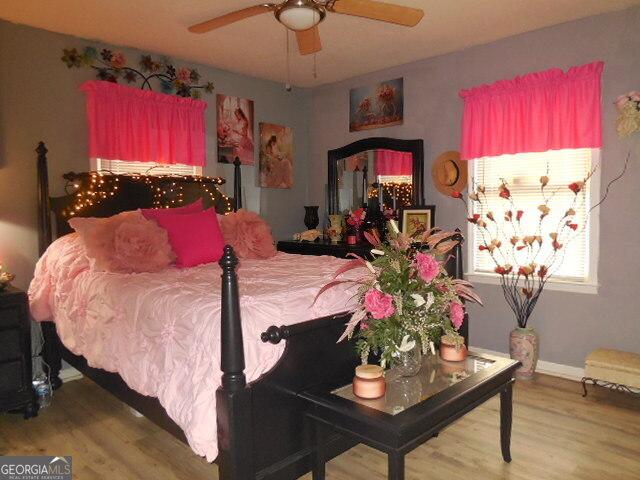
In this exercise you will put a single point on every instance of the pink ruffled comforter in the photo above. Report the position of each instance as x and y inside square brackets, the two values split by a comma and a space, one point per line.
[161, 331]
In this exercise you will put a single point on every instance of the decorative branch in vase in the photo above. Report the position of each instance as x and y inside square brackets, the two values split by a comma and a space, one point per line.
[527, 246]
[406, 302]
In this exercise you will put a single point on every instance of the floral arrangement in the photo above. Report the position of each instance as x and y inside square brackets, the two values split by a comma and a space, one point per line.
[628, 120]
[405, 298]
[356, 218]
[5, 277]
[112, 66]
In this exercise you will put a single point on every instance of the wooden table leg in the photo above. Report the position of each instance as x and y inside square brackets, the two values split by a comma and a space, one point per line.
[506, 413]
[320, 458]
[396, 466]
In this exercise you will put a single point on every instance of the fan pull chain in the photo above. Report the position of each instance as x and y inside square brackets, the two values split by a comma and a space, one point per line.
[287, 86]
[315, 67]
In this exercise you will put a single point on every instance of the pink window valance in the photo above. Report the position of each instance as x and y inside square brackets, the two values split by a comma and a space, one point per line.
[393, 162]
[549, 110]
[140, 125]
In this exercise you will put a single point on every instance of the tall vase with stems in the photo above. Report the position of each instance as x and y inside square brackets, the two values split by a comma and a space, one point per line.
[524, 344]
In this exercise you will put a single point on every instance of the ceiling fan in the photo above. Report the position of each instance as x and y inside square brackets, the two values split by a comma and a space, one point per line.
[303, 17]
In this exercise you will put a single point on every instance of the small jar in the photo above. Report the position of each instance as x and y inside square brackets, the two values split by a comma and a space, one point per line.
[369, 382]
[351, 239]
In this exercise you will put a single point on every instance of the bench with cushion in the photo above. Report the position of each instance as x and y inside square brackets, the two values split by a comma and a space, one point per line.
[613, 369]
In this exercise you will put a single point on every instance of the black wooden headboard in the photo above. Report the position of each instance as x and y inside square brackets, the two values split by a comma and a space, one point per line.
[102, 194]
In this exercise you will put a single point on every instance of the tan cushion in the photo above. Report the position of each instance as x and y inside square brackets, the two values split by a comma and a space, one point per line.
[614, 366]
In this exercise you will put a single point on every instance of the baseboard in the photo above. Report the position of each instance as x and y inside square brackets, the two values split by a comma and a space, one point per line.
[548, 368]
[68, 373]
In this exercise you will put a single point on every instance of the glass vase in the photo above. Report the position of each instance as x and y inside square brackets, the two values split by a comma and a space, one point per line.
[409, 363]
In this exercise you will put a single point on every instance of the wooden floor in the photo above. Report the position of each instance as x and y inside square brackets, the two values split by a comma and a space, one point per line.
[556, 435]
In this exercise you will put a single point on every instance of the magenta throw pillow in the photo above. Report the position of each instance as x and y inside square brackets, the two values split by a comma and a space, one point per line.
[248, 234]
[194, 237]
[154, 213]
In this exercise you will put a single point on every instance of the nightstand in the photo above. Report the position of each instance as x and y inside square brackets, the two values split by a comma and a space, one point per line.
[16, 389]
[325, 247]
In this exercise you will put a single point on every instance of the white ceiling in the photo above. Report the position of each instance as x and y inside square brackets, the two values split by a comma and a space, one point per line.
[256, 46]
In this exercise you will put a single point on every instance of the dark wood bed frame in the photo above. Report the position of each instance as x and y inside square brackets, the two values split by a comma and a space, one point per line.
[262, 431]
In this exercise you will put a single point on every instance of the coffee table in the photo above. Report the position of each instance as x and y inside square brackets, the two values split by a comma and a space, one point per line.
[414, 409]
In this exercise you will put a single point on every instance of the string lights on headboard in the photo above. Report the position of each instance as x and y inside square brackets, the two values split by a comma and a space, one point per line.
[92, 188]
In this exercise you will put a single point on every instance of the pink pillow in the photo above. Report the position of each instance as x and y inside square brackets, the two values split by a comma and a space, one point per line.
[154, 213]
[124, 243]
[248, 234]
[194, 237]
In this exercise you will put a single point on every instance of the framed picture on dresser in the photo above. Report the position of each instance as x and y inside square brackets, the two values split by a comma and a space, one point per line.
[418, 219]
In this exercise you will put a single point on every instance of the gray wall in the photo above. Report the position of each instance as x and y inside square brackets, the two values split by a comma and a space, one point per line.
[570, 325]
[39, 100]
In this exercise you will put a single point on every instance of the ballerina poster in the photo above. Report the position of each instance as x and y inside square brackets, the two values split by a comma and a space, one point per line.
[276, 156]
[235, 129]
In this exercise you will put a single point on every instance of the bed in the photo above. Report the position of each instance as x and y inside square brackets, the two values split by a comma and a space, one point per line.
[264, 363]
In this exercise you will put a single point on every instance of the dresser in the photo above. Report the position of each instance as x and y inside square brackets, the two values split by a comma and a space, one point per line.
[324, 247]
[16, 389]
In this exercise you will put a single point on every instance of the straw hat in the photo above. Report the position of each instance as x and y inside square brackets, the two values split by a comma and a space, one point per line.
[449, 172]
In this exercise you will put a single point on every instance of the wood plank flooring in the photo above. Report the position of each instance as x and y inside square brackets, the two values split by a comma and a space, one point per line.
[557, 434]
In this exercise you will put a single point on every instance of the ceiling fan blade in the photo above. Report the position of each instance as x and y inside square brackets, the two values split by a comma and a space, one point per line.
[385, 12]
[232, 17]
[309, 41]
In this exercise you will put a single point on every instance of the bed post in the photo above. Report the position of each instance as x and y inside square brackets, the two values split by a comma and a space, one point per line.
[51, 353]
[237, 185]
[44, 209]
[458, 272]
[235, 457]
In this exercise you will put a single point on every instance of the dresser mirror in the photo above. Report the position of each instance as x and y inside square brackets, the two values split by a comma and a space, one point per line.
[360, 170]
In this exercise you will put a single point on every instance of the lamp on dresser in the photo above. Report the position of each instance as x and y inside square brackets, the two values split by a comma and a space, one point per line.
[16, 389]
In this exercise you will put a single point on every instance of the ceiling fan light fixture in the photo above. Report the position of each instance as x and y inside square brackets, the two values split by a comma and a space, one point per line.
[300, 15]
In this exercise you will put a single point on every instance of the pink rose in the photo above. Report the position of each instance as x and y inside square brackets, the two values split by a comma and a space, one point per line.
[428, 267]
[456, 314]
[621, 101]
[118, 60]
[184, 75]
[378, 304]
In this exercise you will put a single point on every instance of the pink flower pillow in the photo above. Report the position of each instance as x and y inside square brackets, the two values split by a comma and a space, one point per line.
[154, 213]
[124, 243]
[194, 237]
[248, 234]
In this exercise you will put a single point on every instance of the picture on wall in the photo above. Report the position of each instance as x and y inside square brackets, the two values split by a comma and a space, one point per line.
[416, 220]
[235, 129]
[376, 106]
[276, 156]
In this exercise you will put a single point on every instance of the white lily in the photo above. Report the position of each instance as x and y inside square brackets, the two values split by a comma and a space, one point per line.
[370, 267]
[406, 345]
[418, 299]
[429, 301]
[375, 251]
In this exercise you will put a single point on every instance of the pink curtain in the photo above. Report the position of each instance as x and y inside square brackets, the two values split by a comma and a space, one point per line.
[392, 162]
[140, 125]
[541, 111]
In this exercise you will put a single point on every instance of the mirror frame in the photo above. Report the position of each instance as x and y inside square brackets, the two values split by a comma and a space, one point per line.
[416, 147]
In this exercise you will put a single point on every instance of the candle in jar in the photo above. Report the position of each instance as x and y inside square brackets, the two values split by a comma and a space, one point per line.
[369, 382]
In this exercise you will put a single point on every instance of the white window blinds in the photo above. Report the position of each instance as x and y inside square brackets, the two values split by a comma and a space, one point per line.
[146, 168]
[522, 174]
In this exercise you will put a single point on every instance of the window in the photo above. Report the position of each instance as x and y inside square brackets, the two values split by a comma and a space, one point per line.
[148, 168]
[522, 174]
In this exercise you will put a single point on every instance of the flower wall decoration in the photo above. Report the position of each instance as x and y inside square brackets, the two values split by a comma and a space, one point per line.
[112, 67]
[628, 121]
